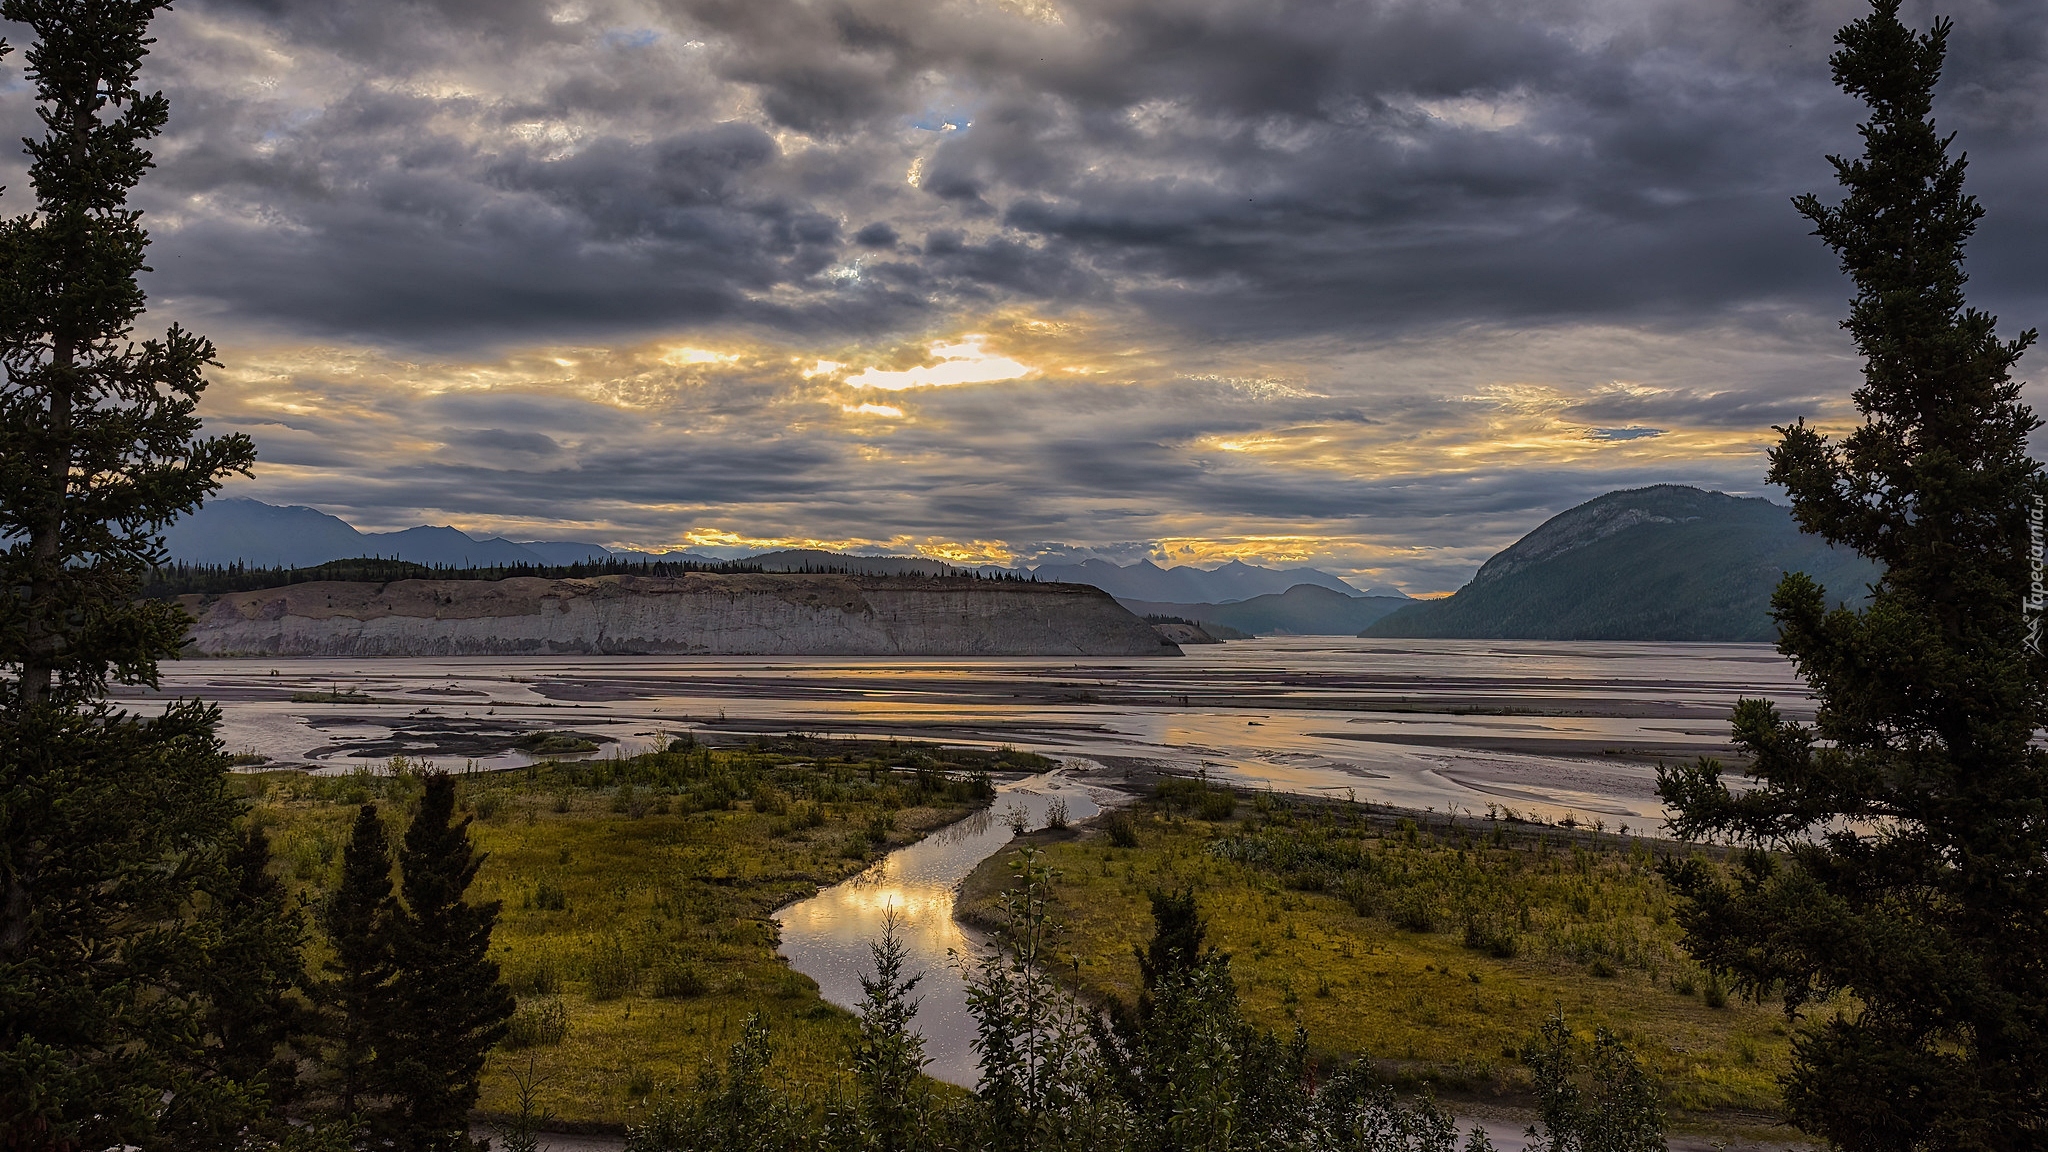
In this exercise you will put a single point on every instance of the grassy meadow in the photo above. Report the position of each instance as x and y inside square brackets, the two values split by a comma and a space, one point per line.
[1437, 950]
[637, 896]
[637, 893]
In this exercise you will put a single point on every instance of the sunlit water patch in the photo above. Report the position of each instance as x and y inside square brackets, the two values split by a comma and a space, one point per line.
[827, 937]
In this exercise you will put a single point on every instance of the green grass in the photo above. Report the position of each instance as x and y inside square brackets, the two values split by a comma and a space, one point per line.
[637, 894]
[1437, 950]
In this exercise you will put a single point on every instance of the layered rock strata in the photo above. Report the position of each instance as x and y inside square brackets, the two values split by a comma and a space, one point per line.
[712, 614]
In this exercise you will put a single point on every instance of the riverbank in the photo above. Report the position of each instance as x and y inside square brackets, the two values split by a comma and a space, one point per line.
[1549, 729]
[1435, 945]
[695, 613]
[638, 896]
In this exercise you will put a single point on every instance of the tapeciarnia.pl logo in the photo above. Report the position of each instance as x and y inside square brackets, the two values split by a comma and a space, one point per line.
[2037, 591]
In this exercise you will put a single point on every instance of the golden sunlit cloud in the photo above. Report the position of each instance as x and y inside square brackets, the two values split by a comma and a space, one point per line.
[966, 362]
[728, 444]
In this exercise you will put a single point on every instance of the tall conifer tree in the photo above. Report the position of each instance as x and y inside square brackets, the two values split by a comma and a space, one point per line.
[109, 824]
[355, 995]
[246, 983]
[448, 1005]
[1907, 827]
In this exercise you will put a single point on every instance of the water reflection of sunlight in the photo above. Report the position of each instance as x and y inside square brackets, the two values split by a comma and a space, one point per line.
[827, 936]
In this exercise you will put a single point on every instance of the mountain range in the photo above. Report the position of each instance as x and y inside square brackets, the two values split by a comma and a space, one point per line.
[230, 530]
[1659, 563]
[1303, 610]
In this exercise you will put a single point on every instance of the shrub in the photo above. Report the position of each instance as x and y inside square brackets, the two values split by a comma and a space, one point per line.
[537, 1024]
[770, 800]
[1493, 935]
[1056, 814]
[1414, 912]
[1217, 804]
[612, 971]
[679, 980]
[1122, 828]
[486, 803]
[538, 977]
[1362, 893]
[1307, 880]
[547, 896]
[1715, 993]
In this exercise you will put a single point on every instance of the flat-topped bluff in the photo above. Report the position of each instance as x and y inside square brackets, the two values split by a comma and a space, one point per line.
[698, 613]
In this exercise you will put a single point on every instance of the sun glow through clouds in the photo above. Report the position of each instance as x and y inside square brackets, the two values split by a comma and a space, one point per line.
[966, 362]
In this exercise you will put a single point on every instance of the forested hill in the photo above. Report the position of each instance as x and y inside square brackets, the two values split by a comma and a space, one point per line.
[1659, 563]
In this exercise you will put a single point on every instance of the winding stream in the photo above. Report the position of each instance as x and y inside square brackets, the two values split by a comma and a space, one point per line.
[826, 937]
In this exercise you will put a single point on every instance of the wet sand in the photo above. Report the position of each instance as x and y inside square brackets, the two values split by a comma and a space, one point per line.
[1548, 728]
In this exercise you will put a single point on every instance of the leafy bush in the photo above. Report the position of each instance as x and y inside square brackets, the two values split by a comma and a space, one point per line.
[679, 980]
[540, 976]
[770, 800]
[612, 970]
[1493, 935]
[1122, 828]
[541, 1023]
[1414, 911]
[1715, 994]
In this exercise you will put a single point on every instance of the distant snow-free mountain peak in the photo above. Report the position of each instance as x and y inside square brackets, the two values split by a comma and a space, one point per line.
[1666, 562]
[1186, 584]
[236, 529]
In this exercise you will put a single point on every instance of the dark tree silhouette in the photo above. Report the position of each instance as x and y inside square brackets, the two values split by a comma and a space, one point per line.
[1898, 847]
[448, 1005]
[110, 825]
[355, 993]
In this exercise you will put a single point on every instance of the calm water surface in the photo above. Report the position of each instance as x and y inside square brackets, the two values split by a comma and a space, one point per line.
[827, 937]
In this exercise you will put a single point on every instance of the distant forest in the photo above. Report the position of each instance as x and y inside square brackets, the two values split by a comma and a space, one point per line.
[181, 579]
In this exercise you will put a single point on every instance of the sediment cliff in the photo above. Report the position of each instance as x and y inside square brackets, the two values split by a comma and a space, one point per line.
[713, 614]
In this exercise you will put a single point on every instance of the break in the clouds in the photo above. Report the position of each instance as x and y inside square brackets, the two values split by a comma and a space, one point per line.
[1375, 285]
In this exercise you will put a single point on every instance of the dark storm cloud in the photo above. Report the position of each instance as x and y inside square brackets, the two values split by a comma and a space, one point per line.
[1391, 280]
[452, 172]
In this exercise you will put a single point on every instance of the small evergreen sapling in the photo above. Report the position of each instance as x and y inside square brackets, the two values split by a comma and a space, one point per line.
[893, 1105]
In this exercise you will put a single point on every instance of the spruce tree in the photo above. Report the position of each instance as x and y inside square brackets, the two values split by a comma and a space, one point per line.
[247, 986]
[893, 1101]
[1897, 848]
[111, 825]
[355, 995]
[448, 1006]
[99, 444]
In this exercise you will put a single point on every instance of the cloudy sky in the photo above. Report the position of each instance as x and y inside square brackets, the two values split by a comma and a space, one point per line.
[1371, 284]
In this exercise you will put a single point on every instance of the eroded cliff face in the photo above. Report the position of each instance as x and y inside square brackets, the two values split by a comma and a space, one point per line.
[703, 613]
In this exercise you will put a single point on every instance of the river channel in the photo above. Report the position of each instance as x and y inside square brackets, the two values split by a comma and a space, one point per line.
[827, 937]
[1546, 728]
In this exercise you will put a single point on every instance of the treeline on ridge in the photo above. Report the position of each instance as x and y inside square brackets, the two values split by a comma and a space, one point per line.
[172, 580]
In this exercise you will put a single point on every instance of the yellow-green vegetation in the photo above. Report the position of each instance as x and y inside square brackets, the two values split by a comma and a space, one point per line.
[1436, 948]
[637, 895]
